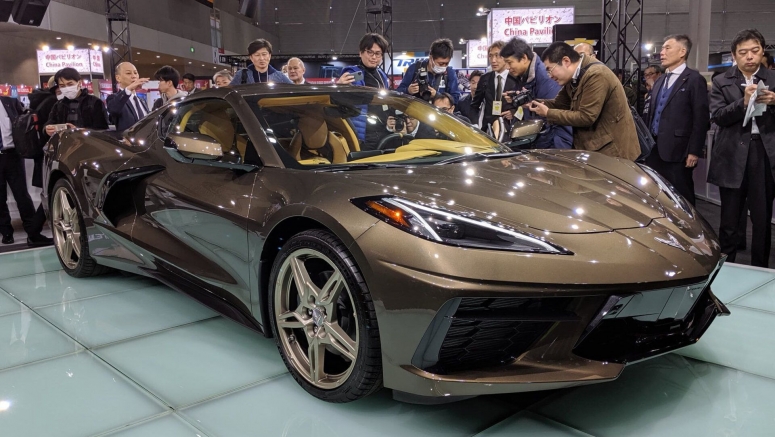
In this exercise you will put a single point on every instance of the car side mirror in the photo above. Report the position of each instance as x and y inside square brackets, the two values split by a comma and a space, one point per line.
[524, 133]
[194, 145]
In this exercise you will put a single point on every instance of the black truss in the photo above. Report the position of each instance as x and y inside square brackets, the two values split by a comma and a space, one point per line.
[379, 19]
[117, 15]
[621, 17]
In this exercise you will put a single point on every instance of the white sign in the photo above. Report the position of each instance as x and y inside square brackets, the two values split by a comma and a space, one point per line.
[534, 25]
[83, 60]
[476, 53]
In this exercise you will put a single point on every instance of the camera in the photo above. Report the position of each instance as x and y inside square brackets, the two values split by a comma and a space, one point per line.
[422, 81]
[522, 98]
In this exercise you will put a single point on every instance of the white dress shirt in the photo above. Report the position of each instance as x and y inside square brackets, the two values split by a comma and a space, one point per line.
[5, 127]
[132, 99]
[674, 73]
[748, 81]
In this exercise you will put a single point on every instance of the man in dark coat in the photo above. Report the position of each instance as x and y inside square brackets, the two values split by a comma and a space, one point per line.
[489, 103]
[42, 101]
[13, 176]
[742, 163]
[678, 117]
[125, 107]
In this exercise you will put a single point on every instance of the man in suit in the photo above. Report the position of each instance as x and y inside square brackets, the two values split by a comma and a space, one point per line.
[464, 104]
[743, 161]
[13, 176]
[125, 107]
[491, 88]
[678, 116]
[592, 101]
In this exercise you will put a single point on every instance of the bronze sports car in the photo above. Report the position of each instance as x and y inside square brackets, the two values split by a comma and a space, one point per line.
[383, 242]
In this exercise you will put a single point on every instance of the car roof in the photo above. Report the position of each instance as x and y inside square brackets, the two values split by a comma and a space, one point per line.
[268, 89]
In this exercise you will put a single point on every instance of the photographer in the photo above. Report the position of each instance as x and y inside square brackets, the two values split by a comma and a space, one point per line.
[592, 101]
[443, 102]
[531, 75]
[424, 79]
[367, 73]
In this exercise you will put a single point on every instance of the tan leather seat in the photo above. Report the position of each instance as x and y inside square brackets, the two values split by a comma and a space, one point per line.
[312, 136]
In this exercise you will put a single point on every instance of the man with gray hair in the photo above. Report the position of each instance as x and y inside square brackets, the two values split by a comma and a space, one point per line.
[678, 117]
[296, 71]
[586, 49]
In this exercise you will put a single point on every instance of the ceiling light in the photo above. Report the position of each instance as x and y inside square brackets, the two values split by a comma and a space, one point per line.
[70, 47]
[175, 60]
[157, 56]
[106, 49]
[189, 62]
[649, 46]
[203, 65]
[334, 58]
[45, 48]
[138, 53]
[59, 37]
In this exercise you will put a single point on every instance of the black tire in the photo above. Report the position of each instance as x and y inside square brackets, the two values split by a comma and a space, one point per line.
[86, 265]
[366, 374]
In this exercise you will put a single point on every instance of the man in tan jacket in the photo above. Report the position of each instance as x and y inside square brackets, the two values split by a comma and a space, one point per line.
[592, 101]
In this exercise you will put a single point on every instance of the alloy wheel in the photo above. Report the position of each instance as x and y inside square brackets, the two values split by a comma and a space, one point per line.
[316, 318]
[67, 228]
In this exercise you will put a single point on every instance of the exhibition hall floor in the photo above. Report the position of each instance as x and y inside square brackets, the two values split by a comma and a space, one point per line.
[123, 355]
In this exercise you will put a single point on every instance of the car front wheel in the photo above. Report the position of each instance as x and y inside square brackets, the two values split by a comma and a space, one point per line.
[70, 236]
[323, 319]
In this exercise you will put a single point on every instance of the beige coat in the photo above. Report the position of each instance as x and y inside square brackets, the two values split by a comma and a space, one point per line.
[598, 111]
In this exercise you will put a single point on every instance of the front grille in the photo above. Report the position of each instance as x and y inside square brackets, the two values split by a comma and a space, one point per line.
[487, 332]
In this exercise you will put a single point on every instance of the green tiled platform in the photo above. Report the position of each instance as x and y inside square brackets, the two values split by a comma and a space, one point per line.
[123, 355]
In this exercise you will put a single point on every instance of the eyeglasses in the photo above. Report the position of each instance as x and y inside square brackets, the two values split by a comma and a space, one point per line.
[444, 108]
[549, 70]
[649, 74]
[373, 54]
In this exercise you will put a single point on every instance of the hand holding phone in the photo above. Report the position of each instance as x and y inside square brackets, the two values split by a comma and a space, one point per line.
[357, 76]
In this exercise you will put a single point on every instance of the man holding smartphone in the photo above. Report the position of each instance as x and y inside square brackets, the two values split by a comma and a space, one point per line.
[367, 73]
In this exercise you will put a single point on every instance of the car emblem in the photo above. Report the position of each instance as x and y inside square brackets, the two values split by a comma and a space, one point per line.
[671, 241]
[318, 316]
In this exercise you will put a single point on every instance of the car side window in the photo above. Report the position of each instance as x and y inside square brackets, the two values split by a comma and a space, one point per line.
[217, 120]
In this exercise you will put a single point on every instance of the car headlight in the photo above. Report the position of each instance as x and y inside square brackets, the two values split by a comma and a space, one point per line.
[451, 228]
[668, 189]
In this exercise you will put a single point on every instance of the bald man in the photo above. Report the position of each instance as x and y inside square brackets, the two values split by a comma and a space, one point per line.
[586, 49]
[296, 71]
[125, 108]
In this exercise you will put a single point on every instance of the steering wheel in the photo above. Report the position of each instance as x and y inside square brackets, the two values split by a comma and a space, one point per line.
[382, 145]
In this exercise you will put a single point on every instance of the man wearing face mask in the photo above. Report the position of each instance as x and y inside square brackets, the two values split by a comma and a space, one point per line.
[424, 79]
[76, 107]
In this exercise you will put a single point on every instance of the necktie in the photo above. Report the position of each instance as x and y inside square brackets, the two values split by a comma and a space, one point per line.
[139, 108]
[499, 88]
[666, 85]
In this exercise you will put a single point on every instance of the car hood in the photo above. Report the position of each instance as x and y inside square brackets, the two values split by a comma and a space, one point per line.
[546, 193]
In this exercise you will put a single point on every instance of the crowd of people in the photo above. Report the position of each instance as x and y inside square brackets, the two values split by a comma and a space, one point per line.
[584, 104]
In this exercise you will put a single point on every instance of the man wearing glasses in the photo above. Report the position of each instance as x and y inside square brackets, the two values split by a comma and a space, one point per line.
[444, 102]
[372, 49]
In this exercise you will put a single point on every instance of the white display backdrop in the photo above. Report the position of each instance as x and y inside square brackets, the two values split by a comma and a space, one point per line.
[83, 60]
[476, 53]
[534, 25]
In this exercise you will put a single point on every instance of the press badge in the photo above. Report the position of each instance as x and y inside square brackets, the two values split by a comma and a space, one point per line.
[384, 108]
[520, 113]
[442, 83]
[497, 107]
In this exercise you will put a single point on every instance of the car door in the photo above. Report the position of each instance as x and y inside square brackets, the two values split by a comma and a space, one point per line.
[193, 220]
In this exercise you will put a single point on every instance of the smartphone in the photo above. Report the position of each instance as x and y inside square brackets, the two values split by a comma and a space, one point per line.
[60, 127]
[358, 76]
[151, 85]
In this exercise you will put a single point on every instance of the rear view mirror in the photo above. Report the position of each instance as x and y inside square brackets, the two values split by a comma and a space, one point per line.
[524, 133]
[194, 145]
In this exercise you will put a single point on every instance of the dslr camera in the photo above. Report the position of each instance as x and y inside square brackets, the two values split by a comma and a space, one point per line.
[521, 97]
[422, 81]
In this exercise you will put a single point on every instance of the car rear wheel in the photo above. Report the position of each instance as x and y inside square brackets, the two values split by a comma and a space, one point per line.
[323, 319]
[70, 238]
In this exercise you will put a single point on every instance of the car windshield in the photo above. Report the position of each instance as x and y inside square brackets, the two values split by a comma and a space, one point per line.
[365, 130]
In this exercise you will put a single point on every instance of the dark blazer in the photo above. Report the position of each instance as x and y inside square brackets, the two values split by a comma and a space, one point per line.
[730, 149]
[122, 112]
[685, 120]
[485, 94]
[12, 107]
[91, 112]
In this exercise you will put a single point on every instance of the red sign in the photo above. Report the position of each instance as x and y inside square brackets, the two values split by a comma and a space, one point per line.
[5, 90]
[23, 90]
